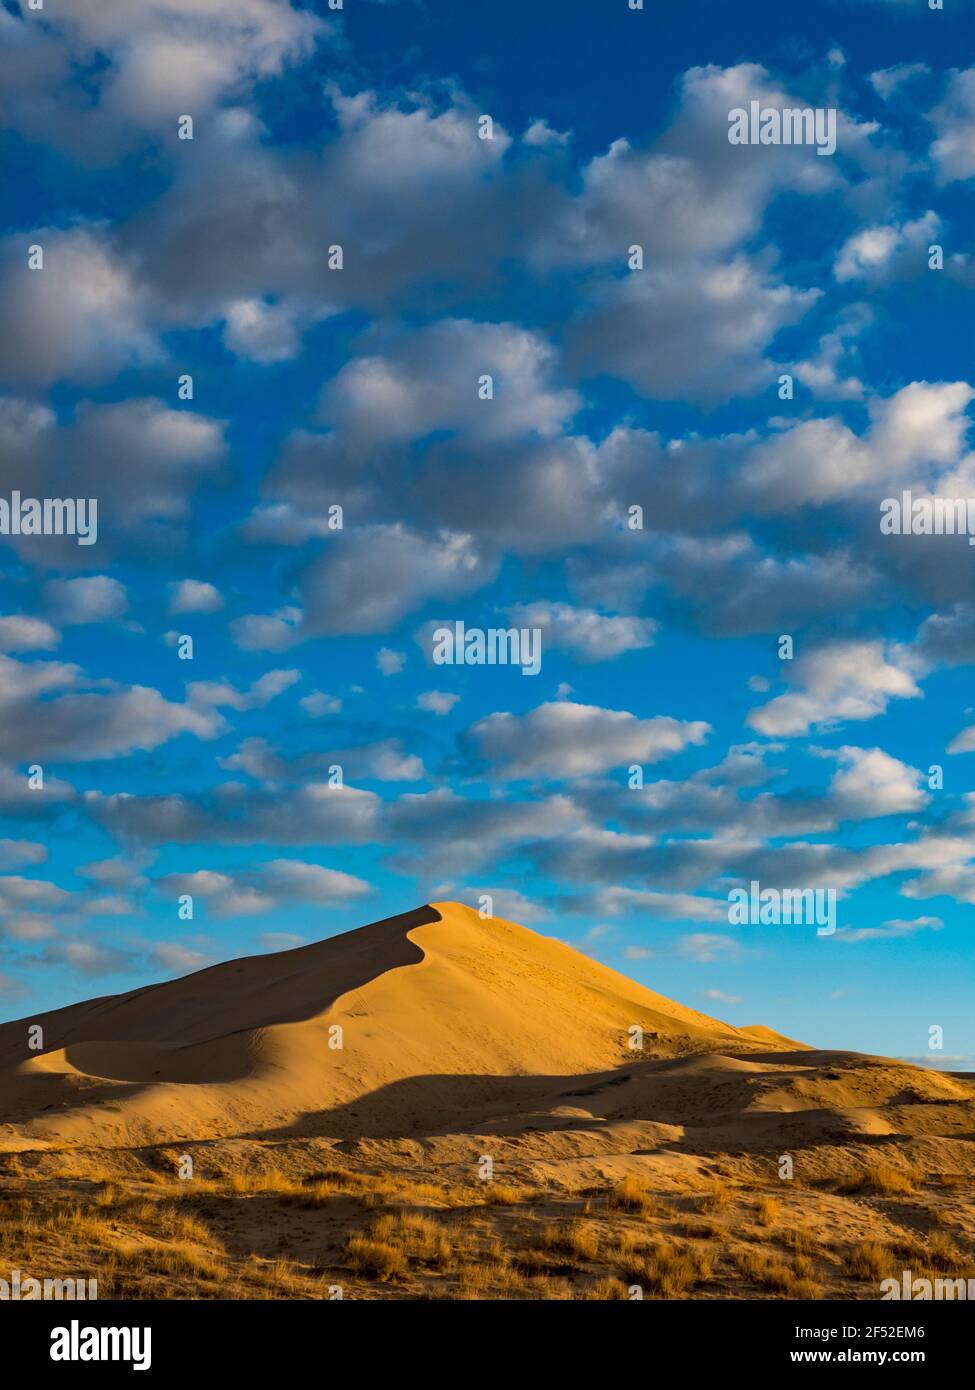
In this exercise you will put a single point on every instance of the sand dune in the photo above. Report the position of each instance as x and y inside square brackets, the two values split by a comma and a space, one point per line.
[446, 1021]
[421, 999]
[462, 1037]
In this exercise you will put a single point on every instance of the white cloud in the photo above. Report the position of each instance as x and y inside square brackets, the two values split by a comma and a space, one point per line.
[894, 930]
[953, 151]
[389, 662]
[167, 453]
[561, 739]
[913, 437]
[963, 742]
[273, 884]
[166, 57]
[80, 724]
[92, 958]
[11, 988]
[220, 694]
[890, 249]
[668, 906]
[512, 906]
[262, 332]
[584, 633]
[429, 380]
[871, 783]
[16, 854]
[318, 703]
[232, 814]
[280, 941]
[368, 579]
[385, 760]
[436, 701]
[711, 329]
[193, 596]
[20, 633]
[268, 632]
[93, 599]
[541, 135]
[887, 81]
[850, 680]
[83, 316]
[706, 947]
[177, 959]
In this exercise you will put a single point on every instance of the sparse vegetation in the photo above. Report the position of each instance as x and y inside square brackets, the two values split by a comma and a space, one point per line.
[715, 1197]
[774, 1275]
[376, 1259]
[768, 1211]
[870, 1261]
[634, 1195]
[881, 1181]
[572, 1238]
[668, 1271]
[298, 1230]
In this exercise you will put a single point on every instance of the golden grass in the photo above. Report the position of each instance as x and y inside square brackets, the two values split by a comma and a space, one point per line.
[869, 1260]
[715, 1197]
[667, 1271]
[607, 1290]
[398, 1234]
[375, 1259]
[767, 1211]
[773, 1274]
[942, 1255]
[634, 1195]
[418, 1237]
[881, 1181]
[572, 1238]
[273, 1184]
[504, 1194]
[800, 1240]
[177, 1258]
[701, 1229]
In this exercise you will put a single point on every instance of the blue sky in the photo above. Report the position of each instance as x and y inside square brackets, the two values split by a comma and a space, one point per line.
[357, 387]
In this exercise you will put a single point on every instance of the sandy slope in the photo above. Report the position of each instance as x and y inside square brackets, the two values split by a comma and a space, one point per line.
[450, 1025]
[438, 1008]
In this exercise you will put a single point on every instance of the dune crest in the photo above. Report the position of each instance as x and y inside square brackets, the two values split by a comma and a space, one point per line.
[253, 1044]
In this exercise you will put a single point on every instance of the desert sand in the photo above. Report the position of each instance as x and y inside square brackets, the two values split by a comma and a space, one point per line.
[442, 1106]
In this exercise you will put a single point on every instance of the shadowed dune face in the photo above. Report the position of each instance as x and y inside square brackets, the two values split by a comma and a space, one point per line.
[210, 1005]
[109, 1061]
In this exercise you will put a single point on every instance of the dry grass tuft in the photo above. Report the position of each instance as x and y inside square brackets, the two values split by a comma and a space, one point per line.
[870, 1260]
[634, 1195]
[881, 1181]
[715, 1197]
[776, 1276]
[375, 1259]
[768, 1211]
[572, 1238]
[666, 1271]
